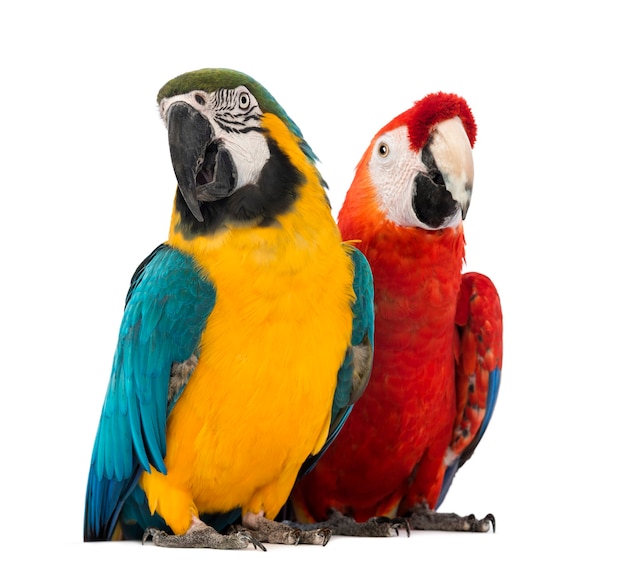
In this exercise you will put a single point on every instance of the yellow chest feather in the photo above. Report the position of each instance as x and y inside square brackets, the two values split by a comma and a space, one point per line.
[259, 400]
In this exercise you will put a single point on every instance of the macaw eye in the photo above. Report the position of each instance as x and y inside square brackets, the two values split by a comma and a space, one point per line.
[244, 101]
[383, 150]
[200, 99]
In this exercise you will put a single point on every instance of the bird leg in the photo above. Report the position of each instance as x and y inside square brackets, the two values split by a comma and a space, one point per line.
[202, 535]
[339, 524]
[269, 531]
[421, 517]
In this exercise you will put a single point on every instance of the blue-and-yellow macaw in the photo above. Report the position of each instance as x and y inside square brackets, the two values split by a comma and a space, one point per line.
[246, 336]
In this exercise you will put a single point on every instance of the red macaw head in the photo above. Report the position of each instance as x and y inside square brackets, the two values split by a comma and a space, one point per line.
[418, 170]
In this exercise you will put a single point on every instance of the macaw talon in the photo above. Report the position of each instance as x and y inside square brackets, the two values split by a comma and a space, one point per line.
[490, 518]
[270, 531]
[319, 536]
[425, 519]
[205, 537]
[313, 534]
[340, 524]
[394, 524]
[374, 527]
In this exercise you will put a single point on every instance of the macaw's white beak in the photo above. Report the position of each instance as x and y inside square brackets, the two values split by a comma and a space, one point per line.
[452, 152]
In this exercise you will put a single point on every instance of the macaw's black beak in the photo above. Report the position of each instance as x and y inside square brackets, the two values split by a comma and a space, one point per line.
[204, 170]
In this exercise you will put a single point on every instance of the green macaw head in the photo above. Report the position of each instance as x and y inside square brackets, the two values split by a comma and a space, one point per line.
[217, 142]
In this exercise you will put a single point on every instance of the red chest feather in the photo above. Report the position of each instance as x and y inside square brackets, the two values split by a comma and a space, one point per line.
[416, 287]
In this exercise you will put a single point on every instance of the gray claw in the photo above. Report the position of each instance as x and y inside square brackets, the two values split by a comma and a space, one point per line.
[151, 533]
[395, 524]
[253, 540]
[490, 518]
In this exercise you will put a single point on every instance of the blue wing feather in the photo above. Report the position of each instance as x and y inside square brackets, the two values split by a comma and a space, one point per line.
[167, 307]
[492, 395]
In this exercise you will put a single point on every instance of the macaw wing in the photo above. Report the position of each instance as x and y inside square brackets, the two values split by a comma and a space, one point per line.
[479, 364]
[354, 373]
[166, 311]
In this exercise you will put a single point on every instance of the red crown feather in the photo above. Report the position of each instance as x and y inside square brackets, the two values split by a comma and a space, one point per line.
[433, 109]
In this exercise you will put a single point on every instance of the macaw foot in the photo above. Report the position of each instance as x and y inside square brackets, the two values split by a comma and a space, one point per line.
[202, 535]
[269, 531]
[423, 518]
[339, 524]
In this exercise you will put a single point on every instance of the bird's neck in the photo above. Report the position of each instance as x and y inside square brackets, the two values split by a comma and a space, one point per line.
[416, 254]
[396, 251]
[421, 267]
[286, 245]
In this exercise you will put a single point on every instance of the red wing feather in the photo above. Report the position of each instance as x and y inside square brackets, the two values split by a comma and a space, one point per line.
[479, 321]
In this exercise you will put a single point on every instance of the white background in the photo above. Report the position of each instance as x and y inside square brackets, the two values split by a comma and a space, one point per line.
[87, 188]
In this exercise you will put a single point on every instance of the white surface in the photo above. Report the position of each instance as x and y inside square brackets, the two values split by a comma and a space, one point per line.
[87, 190]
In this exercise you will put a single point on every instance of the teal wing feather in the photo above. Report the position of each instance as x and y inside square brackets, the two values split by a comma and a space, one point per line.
[354, 373]
[167, 307]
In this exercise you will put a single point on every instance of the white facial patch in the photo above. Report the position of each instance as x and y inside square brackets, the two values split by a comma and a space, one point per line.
[235, 116]
[393, 167]
[249, 152]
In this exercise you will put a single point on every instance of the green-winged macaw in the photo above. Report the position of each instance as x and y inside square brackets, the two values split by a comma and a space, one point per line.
[438, 354]
[245, 339]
